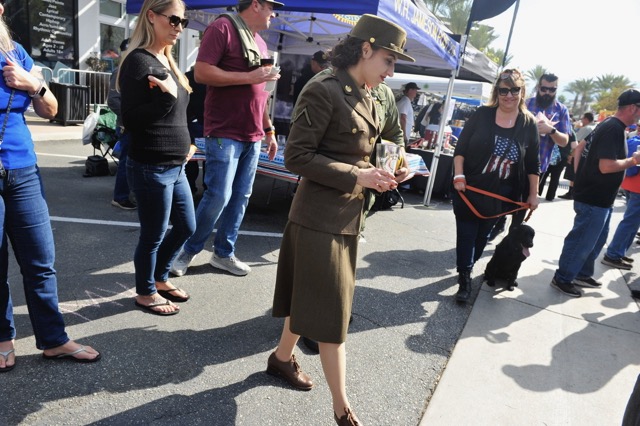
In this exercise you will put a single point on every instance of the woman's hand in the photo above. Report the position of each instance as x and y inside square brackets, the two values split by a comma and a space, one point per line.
[18, 78]
[192, 151]
[533, 201]
[168, 85]
[460, 186]
[378, 179]
[403, 174]
[459, 182]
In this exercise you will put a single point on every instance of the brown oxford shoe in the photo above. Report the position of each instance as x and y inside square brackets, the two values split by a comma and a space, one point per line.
[349, 418]
[289, 371]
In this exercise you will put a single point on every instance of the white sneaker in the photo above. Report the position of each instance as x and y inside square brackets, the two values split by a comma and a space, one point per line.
[181, 263]
[230, 264]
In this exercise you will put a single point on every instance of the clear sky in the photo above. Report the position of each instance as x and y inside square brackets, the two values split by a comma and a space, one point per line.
[574, 39]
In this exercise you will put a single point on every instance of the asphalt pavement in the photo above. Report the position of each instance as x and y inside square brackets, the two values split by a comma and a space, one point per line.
[531, 356]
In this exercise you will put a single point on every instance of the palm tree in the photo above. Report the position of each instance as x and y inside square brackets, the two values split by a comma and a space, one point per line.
[585, 88]
[455, 13]
[440, 8]
[534, 74]
[573, 89]
[608, 82]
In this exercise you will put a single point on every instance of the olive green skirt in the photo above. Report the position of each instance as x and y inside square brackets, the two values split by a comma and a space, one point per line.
[315, 282]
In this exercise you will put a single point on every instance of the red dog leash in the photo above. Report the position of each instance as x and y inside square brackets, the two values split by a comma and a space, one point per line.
[522, 205]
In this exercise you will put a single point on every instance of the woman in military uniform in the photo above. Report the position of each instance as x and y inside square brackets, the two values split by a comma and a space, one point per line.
[334, 129]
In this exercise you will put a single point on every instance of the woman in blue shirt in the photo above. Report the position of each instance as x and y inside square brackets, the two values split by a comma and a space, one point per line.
[24, 215]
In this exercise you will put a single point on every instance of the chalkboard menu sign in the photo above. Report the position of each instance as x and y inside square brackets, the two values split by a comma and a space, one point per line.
[51, 29]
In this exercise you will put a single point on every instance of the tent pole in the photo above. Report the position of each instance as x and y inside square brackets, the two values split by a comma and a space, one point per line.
[438, 149]
[513, 23]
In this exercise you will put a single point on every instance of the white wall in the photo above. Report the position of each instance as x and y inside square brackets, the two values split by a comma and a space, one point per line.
[89, 20]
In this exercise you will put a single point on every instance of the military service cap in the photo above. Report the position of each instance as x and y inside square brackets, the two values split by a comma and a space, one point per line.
[382, 33]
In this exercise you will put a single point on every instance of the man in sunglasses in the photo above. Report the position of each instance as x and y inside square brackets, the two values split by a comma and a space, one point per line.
[230, 62]
[554, 122]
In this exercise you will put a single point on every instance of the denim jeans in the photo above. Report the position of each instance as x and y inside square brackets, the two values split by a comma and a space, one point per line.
[231, 168]
[163, 194]
[121, 188]
[24, 221]
[627, 229]
[471, 239]
[584, 242]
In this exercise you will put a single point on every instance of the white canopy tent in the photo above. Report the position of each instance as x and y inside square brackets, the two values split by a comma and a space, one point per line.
[439, 86]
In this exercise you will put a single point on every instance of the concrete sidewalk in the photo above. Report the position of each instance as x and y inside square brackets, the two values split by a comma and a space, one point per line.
[43, 130]
[536, 356]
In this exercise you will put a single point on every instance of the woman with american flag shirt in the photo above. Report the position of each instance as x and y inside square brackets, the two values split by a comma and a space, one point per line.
[500, 138]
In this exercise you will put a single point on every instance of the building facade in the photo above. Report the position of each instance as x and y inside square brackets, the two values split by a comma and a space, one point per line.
[81, 34]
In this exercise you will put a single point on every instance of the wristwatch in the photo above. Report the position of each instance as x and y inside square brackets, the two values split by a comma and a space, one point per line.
[40, 92]
[553, 131]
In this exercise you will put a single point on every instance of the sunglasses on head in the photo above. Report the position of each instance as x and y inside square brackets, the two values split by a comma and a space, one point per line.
[503, 91]
[174, 20]
[508, 73]
[545, 89]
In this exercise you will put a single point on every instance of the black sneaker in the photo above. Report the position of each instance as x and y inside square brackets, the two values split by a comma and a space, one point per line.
[616, 263]
[124, 205]
[627, 259]
[567, 288]
[587, 282]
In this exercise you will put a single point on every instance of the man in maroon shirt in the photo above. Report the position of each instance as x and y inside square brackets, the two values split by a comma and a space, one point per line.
[235, 122]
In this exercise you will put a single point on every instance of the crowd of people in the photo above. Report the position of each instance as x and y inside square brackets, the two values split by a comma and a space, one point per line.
[510, 146]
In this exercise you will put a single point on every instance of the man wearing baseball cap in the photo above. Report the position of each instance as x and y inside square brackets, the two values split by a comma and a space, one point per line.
[235, 122]
[602, 163]
[405, 109]
[319, 61]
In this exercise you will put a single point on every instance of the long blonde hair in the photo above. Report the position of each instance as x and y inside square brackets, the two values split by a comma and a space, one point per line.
[143, 37]
[7, 46]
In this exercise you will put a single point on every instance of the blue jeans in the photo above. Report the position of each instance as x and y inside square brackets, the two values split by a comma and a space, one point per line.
[584, 242]
[231, 168]
[24, 220]
[121, 188]
[627, 229]
[471, 239]
[163, 194]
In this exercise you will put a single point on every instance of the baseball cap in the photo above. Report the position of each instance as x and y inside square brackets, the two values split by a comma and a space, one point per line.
[633, 127]
[410, 86]
[276, 4]
[382, 33]
[320, 57]
[629, 97]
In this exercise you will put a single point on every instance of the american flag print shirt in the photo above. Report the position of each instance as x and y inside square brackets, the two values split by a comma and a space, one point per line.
[503, 161]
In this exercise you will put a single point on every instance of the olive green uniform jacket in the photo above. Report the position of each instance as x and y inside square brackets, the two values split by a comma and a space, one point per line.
[334, 129]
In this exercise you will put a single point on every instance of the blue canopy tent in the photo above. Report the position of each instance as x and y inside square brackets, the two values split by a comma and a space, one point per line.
[305, 26]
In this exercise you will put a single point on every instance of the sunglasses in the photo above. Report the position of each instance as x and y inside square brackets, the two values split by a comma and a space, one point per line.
[503, 91]
[545, 89]
[174, 20]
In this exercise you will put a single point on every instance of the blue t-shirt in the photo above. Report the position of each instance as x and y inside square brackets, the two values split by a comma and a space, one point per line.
[16, 150]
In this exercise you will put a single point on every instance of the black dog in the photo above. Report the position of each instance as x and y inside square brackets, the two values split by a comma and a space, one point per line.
[509, 255]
